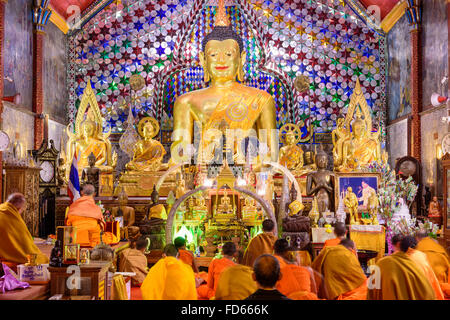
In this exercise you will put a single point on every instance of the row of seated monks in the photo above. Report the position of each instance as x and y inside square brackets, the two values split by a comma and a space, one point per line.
[417, 270]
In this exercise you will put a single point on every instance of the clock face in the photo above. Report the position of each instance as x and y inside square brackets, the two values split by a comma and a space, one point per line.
[446, 144]
[47, 171]
[4, 141]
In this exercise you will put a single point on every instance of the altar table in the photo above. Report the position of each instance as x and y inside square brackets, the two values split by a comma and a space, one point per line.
[367, 237]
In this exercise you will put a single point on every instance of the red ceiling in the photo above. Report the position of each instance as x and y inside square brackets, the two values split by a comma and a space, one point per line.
[385, 5]
[61, 6]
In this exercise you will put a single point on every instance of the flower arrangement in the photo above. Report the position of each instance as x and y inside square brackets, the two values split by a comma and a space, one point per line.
[429, 228]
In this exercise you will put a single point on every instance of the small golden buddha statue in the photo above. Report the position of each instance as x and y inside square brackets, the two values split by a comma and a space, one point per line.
[181, 187]
[61, 173]
[156, 210]
[362, 147]
[434, 210]
[200, 206]
[127, 213]
[338, 136]
[249, 210]
[351, 202]
[225, 206]
[89, 137]
[148, 153]
[291, 155]
[241, 107]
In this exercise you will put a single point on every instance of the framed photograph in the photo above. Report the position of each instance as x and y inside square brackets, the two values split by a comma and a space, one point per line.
[362, 185]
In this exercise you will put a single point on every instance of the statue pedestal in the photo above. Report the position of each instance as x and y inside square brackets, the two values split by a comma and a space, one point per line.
[156, 231]
[140, 184]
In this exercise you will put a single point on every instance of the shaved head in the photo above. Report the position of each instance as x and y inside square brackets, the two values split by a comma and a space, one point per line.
[17, 200]
[170, 250]
[266, 270]
[349, 244]
[88, 190]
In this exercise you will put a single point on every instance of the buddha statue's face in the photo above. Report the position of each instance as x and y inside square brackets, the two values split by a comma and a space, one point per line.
[123, 200]
[321, 161]
[359, 128]
[91, 161]
[147, 131]
[290, 138]
[88, 129]
[222, 59]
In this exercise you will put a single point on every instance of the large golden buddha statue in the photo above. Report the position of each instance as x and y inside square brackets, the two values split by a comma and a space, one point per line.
[89, 137]
[148, 153]
[225, 103]
[362, 147]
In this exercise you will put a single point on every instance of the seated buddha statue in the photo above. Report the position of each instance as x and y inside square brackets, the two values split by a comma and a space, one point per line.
[249, 210]
[434, 210]
[363, 147]
[89, 137]
[225, 99]
[225, 206]
[148, 153]
[200, 207]
[156, 210]
[291, 155]
[338, 136]
[126, 213]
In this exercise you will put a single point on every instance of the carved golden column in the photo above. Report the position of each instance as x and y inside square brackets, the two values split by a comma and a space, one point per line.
[2, 39]
[41, 15]
[414, 14]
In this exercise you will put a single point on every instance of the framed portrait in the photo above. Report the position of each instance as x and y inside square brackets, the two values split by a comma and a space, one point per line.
[362, 185]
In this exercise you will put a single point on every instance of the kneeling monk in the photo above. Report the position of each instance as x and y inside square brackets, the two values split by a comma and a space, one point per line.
[343, 276]
[87, 217]
[16, 241]
[261, 244]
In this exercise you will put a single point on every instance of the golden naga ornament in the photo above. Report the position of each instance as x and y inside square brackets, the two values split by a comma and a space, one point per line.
[356, 151]
[89, 137]
[148, 153]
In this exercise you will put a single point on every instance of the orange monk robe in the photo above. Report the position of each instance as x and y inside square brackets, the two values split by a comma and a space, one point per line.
[332, 242]
[169, 279]
[87, 217]
[215, 269]
[16, 241]
[281, 260]
[421, 260]
[437, 257]
[133, 260]
[342, 273]
[399, 278]
[261, 244]
[235, 283]
[296, 280]
[188, 258]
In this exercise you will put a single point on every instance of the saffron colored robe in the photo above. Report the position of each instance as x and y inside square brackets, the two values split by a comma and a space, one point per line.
[133, 260]
[169, 279]
[261, 244]
[399, 278]
[215, 269]
[235, 283]
[439, 261]
[342, 274]
[332, 242]
[296, 282]
[87, 217]
[188, 258]
[16, 241]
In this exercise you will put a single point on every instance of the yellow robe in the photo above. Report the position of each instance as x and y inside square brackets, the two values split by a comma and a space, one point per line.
[235, 283]
[158, 212]
[261, 244]
[169, 279]
[341, 271]
[133, 260]
[16, 241]
[400, 279]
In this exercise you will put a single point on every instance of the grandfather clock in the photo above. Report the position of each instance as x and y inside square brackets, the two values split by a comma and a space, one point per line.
[46, 158]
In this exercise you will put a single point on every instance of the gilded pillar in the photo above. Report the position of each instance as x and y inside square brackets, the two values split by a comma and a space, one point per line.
[414, 14]
[41, 15]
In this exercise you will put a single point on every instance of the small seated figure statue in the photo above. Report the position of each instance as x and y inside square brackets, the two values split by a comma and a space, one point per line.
[338, 136]
[56, 256]
[148, 153]
[91, 174]
[351, 202]
[434, 210]
[127, 214]
[309, 164]
[249, 210]
[225, 206]
[200, 207]
[156, 210]
[189, 214]
[372, 206]
[295, 222]
[291, 155]
[181, 187]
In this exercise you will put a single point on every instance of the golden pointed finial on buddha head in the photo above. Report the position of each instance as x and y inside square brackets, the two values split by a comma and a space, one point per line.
[221, 15]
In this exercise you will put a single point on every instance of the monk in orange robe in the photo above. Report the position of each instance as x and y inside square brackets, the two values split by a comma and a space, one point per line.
[295, 280]
[261, 244]
[438, 259]
[87, 217]
[235, 283]
[340, 231]
[169, 279]
[185, 255]
[16, 242]
[407, 245]
[215, 269]
[134, 260]
[398, 277]
[343, 276]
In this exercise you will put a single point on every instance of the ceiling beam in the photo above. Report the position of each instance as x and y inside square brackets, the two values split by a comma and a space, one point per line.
[58, 20]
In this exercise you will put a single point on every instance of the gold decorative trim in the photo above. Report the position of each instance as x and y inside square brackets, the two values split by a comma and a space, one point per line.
[358, 99]
[58, 20]
[391, 19]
